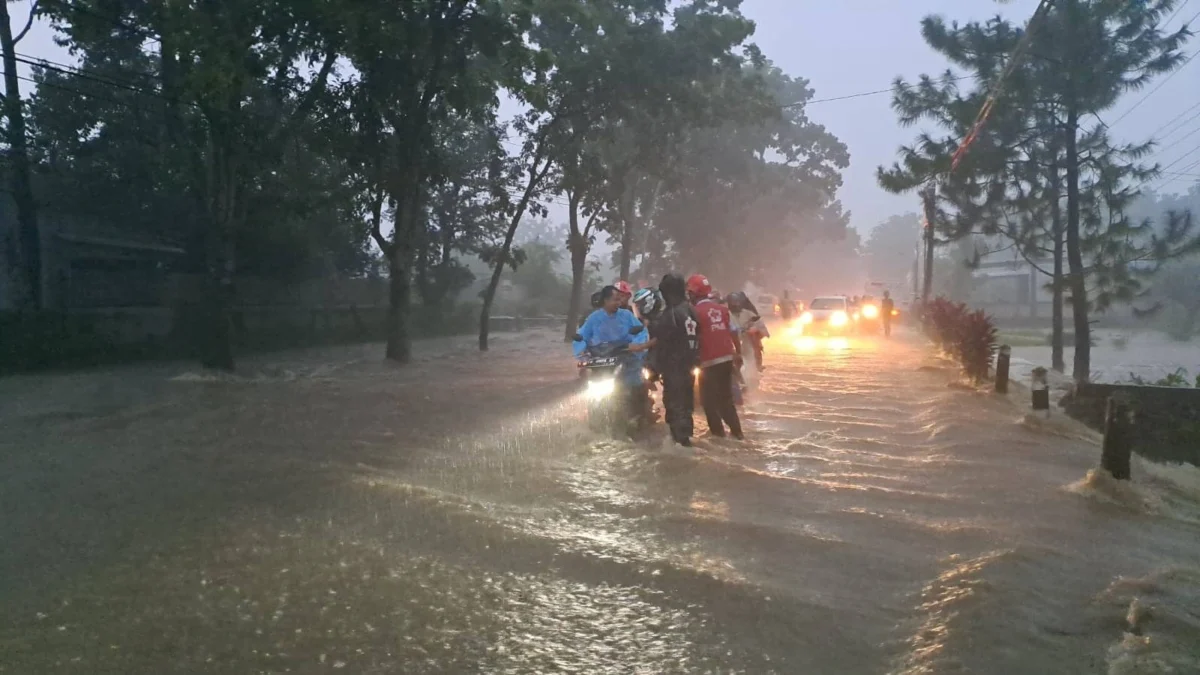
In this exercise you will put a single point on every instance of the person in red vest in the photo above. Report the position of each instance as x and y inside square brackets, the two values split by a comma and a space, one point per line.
[719, 358]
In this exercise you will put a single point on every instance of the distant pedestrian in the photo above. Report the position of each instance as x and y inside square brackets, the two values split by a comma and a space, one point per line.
[886, 308]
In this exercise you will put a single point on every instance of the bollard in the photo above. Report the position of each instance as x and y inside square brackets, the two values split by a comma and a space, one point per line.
[1040, 390]
[1118, 439]
[1003, 357]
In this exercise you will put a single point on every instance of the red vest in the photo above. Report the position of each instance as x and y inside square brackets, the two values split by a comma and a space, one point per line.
[716, 333]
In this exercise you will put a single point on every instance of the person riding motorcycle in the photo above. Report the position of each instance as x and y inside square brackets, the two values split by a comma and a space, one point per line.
[597, 302]
[611, 324]
[626, 292]
[749, 323]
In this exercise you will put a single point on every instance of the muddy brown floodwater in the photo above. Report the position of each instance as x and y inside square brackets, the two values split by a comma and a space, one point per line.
[321, 512]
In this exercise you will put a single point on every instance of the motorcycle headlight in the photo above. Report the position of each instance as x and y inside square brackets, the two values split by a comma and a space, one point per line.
[870, 311]
[598, 389]
[695, 372]
[806, 317]
[839, 318]
[646, 374]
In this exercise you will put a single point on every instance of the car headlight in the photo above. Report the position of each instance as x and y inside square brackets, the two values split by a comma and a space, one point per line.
[806, 317]
[839, 318]
[870, 311]
[598, 389]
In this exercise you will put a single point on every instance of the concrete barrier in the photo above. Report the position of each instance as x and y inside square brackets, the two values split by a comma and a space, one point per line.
[1166, 420]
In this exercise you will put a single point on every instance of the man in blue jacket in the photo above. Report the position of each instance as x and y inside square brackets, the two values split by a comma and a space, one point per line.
[612, 324]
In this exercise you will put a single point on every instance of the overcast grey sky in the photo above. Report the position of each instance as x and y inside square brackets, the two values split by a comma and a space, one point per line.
[849, 46]
[846, 47]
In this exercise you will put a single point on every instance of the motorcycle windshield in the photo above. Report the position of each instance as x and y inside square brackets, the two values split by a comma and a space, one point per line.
[607, 349]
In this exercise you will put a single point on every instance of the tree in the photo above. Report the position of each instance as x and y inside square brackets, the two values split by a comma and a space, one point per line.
[20, 181]
[419, 64]
[231, 93]
[890, 245]
[767, 175]
[1080, 60]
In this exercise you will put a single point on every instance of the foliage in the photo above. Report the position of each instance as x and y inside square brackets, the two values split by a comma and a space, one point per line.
[968, 336]
[315, 138]
[1040, 175]
[727, 190]
[1179, 378]
[890, 247]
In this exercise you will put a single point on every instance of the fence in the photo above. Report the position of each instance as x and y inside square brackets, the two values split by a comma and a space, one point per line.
[1165, 421]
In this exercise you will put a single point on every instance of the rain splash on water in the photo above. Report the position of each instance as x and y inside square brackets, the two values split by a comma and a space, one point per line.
[322, 513]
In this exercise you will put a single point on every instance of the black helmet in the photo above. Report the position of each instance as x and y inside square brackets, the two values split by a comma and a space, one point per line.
[597, 299]
[673, 288]
[737, 299]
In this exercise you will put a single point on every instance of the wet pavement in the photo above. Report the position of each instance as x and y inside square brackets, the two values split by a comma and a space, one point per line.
[322, 512]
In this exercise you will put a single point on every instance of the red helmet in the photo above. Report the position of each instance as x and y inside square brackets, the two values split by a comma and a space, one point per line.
[623, 287]
[698, 286]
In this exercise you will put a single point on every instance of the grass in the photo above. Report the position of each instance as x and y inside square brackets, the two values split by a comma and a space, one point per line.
[1022, 338]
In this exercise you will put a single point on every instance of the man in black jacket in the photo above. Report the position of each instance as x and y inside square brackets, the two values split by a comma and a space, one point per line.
[675, 355]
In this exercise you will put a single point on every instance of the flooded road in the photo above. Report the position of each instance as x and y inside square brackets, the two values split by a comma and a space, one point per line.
[322, 512]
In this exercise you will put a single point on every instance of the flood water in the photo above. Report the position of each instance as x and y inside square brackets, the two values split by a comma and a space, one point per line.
[322, 512]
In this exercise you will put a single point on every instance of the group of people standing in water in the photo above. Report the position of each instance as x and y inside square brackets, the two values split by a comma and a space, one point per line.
[689, 328]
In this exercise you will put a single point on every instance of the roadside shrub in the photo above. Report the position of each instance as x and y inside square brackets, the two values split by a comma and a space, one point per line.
[976, 344]
[969, 337]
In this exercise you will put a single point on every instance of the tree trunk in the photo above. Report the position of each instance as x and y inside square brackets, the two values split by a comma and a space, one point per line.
[21, 182]
[1058, 362]
[215, 339]
[399, 340]
[628, 226]
[577, 245]
[927, 283]
[536, 174]
[1077, 280]
[400, 267]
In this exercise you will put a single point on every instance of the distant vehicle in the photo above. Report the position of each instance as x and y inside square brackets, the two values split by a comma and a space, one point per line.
[828, 315]
[767, 303]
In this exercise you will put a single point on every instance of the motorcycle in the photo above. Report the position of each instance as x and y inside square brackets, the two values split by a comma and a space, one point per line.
[615, 404]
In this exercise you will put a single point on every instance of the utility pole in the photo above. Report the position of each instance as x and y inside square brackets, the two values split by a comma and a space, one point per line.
[927, 196]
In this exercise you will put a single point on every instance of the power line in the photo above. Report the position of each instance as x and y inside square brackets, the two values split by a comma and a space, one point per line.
[1172, 121]
[74, 71]
[996, 90]
[1160, 86]
[1177, 10]
[864, 93]
[143, 33]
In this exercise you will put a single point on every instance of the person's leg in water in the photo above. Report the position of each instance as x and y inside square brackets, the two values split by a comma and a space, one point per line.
[887, 326]
[716, 384]
[756, 342]
[679, 405]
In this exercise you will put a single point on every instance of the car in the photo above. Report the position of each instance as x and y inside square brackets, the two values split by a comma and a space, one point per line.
[828, 315]
[867, 315]
[767, 304]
